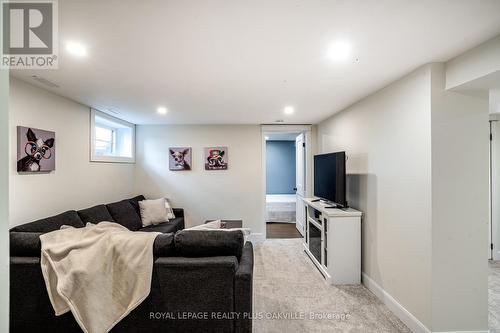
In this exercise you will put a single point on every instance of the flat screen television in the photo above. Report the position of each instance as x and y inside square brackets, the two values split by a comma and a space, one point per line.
[330, 178]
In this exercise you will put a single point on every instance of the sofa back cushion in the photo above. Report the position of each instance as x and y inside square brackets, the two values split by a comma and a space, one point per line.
[25, 244]
[95, 214]
[203, 243]
[135, 203]
[28, 244]
[124, 213]
[52, 223]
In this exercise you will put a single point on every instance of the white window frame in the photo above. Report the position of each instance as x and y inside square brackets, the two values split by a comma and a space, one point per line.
[113, 134]
[109, 159]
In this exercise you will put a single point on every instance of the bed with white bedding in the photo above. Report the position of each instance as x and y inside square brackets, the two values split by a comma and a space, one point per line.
[280, 207]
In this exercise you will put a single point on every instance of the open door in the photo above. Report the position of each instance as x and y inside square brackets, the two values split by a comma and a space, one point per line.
[300, 160]
[494, 234]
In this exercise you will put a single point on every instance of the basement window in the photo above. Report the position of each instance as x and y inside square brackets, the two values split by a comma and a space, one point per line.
[111, 139]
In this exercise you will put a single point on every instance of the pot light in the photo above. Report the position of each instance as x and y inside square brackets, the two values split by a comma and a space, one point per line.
[339, 51]
[162, 110]
[76, 49]
[289, 110]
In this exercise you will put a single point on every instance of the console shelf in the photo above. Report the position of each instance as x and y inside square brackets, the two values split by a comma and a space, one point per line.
[333, 241]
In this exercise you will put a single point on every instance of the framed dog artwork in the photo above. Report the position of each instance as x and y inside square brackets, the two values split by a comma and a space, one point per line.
[179, 159]
[36, 150]
[216, 158]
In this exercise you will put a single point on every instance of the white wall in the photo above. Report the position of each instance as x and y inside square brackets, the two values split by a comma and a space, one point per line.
[76, 183]
[418, 165]
[232, 194]
[387, 137]
[494, 100]
[476, 63]
[4, 201]
[460, 195]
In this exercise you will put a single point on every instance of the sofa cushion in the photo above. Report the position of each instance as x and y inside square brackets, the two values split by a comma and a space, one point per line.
[124, 213]
[164, 245]
[95, 214]
[170, 226]
[135, 203]
[203, 243]
[52, 223]
[178, 212]
[162, 227]
[178, 222]
[25, 244]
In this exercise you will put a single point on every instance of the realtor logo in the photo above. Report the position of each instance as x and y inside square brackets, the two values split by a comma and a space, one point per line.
[29, 38]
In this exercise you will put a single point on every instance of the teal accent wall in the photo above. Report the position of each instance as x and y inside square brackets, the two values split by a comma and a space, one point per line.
[280, 167]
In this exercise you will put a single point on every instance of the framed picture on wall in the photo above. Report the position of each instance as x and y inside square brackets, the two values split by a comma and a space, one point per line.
[180, 159]
[216, 158]
[36, 150]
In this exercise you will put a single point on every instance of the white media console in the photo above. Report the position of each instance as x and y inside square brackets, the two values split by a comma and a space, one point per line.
[332, 240]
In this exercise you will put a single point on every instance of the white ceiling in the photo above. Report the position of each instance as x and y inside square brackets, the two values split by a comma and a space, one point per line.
[236, 61]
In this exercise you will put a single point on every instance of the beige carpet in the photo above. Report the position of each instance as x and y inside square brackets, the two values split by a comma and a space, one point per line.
[286, 283]
[494, 296]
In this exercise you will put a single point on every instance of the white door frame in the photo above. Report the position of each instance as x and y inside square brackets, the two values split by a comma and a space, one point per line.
[273, 129]
[494, 229]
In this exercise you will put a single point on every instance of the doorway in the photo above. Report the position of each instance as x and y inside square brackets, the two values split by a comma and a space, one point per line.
[285, 161]
[494, 221]
[494, 216]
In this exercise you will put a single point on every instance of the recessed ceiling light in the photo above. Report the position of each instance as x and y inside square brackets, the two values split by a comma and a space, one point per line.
[76, 49]
[339, 51]
[162, 110]
[289, 110]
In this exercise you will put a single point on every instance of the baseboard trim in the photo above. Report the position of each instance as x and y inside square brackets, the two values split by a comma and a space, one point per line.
[404, 315]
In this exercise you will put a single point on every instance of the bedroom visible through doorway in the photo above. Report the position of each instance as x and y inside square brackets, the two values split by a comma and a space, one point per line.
[284, 182]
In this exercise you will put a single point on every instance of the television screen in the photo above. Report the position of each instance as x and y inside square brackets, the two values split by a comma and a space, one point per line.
[330, 177]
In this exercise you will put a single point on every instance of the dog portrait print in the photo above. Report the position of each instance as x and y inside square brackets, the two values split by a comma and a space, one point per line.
[179, 159]
[36, 151]
[216, 158]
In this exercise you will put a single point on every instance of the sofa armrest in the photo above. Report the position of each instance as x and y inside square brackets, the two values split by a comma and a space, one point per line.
[30, 307]
[178, 212]
[194, 285]
[243, 291]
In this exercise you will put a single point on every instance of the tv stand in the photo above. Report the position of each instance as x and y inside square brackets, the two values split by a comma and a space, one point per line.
[332, 240]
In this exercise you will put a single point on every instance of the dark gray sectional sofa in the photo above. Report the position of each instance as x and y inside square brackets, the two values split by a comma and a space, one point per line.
[202, 281]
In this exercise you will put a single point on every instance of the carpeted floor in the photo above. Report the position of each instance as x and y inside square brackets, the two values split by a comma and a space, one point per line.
[494, 296]
[286, 283]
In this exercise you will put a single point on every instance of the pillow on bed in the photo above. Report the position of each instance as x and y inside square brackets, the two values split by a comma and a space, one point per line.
[153, 211]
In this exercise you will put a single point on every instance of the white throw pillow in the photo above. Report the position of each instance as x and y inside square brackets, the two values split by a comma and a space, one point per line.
[153, 211]
[170, 211]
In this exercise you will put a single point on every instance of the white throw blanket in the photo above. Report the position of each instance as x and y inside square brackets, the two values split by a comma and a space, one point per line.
[100, 272]
[217, 225]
